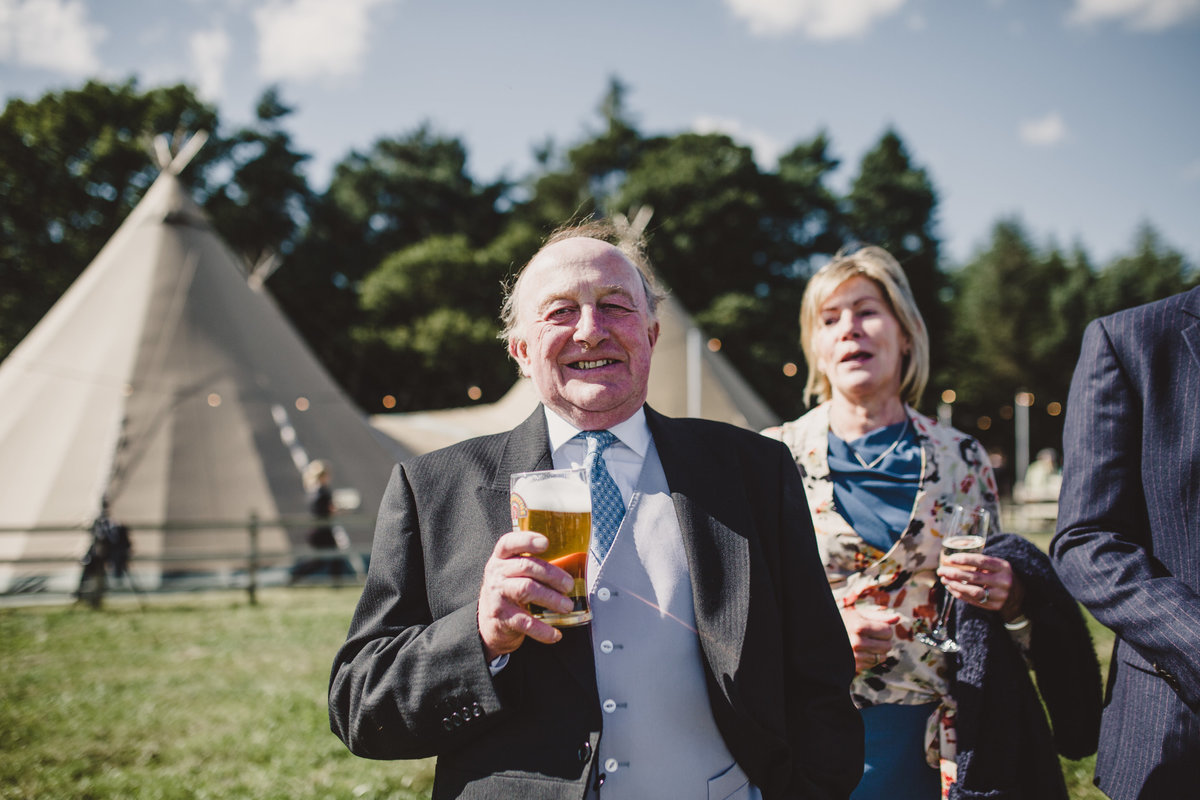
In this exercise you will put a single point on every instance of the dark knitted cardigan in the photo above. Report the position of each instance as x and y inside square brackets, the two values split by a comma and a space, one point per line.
[1006, 747]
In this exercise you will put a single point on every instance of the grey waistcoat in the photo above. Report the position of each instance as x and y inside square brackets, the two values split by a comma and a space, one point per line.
[659, 739]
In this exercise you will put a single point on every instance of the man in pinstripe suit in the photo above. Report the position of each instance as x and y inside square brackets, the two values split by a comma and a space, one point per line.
[1128, 541]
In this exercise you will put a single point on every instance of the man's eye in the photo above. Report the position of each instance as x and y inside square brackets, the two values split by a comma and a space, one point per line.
[559, 313]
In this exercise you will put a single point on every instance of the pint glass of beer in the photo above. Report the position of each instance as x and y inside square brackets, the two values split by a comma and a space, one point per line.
[557, 504]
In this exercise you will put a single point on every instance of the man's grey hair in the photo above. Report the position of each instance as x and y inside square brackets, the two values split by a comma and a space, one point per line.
[632, 245]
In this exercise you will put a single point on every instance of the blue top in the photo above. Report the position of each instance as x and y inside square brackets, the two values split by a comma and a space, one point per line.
[876, 500]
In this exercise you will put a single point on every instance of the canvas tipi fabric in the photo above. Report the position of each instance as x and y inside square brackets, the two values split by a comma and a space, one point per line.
[163, 381]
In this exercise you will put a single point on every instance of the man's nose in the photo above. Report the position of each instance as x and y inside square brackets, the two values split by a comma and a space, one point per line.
[590, 328]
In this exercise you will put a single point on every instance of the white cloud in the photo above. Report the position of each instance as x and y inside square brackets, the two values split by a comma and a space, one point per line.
[1044, 132]
[210, 52]
[304, 39]
[1143, 15]
[817, 19]
[49, 34]
[767, 149]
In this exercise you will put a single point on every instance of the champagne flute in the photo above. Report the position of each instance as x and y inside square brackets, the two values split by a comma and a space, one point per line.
[967, 534]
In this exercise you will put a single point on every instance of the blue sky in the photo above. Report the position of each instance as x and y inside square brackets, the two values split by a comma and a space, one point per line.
[1080, 117]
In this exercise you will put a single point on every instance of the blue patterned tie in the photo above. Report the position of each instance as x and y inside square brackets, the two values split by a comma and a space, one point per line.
[607, 507]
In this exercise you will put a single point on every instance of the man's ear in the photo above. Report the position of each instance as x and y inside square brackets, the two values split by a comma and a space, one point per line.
[653, 334]
[519, 351]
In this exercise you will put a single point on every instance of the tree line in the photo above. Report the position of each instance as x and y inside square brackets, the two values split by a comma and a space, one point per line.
[393, 272]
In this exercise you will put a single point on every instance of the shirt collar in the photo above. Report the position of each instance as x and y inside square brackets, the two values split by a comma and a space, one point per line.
[634, 432]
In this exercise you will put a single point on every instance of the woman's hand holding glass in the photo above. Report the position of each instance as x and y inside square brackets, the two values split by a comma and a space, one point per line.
[870, 632]
[984, 581]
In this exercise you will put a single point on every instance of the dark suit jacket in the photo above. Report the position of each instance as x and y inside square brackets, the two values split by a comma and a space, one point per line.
[411, 680]
[1128, 541]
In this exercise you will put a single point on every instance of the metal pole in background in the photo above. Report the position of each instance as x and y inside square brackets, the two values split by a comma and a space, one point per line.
[694, 357]
[1022, 402]
[252, 567]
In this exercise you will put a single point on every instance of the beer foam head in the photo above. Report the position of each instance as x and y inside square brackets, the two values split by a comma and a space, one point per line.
[554, 494]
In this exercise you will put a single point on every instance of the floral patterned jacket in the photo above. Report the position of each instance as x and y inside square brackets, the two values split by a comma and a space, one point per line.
[954, 470]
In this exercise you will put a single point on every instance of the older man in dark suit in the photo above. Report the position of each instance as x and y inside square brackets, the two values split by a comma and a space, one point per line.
[716, 664]
[1128, 542]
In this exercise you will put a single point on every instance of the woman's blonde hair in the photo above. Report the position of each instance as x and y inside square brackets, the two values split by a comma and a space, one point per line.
[879, 266]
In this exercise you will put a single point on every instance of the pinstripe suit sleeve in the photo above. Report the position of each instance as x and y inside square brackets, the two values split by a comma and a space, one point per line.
[1107, 551]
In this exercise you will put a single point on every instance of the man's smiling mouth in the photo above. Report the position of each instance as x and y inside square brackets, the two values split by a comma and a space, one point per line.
[604, 362]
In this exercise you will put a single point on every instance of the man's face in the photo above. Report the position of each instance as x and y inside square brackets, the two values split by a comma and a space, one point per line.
[584, 333]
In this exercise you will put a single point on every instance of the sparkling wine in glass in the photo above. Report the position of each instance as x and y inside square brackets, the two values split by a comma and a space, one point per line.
[967, 534]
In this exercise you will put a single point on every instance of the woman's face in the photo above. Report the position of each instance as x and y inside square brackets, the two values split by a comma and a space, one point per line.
[859, 343]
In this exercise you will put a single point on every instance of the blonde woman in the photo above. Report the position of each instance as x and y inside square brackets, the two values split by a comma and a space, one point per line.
[881, 482]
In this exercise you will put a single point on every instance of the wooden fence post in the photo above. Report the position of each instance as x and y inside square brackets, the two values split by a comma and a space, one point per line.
[252, 567]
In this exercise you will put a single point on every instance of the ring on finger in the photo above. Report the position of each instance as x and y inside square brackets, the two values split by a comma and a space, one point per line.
[987, 595]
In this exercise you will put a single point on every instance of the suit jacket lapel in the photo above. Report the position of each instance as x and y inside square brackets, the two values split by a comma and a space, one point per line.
[528, 449]
[718, 556]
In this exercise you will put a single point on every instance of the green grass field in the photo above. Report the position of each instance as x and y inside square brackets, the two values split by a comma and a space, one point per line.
[198, 696]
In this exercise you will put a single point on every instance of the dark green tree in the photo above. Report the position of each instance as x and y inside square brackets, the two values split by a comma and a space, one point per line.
[586, 179]
[1153, 271]
[709, 200]
[431, 326]
[395, 196]
[1017, 318]
[73, 164]
[759, 327]
[261, 208]
[892, 203]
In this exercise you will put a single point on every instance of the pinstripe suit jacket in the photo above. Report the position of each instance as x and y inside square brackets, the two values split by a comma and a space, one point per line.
[1128, 541]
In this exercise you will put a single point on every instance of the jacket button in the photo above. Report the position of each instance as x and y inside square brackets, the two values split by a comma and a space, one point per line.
[585, 752]
[603, 593]
[611, 765]
[606, 646]
[609, 706]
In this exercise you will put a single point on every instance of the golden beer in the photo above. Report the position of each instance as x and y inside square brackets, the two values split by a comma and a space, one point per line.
[558, 506]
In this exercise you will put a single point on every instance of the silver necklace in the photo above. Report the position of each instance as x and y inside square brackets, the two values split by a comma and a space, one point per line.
[882, 455]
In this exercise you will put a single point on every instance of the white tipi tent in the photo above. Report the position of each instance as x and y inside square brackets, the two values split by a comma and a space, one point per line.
[162, 380]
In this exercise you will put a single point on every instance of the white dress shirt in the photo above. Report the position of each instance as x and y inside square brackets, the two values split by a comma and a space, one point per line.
[623, 458]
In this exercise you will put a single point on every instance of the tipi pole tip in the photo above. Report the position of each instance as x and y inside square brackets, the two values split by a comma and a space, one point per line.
[187, 153]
